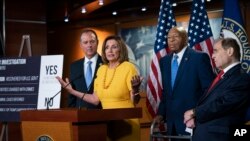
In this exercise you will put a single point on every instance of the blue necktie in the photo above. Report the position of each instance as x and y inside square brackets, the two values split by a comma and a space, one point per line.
[174, 69]
[88, 75]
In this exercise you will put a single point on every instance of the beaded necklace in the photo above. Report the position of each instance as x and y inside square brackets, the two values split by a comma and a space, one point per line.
[105, 77]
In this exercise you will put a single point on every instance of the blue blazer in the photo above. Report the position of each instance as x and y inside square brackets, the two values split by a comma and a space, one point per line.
[193, 77]
[79, 84]
[223, 106]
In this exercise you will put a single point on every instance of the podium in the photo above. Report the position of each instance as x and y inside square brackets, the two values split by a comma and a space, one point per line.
[72, 124]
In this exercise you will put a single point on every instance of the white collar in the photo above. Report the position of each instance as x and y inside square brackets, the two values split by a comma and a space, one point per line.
[180, 54]
[93, 59]
[230, 66]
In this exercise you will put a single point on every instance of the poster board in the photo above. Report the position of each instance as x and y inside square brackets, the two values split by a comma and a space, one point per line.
[27, 83]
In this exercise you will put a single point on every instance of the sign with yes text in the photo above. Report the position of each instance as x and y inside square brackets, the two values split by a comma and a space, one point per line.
[28, 84]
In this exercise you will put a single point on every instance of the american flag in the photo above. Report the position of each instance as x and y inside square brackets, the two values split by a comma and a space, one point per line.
[200, 35]
[166, 21]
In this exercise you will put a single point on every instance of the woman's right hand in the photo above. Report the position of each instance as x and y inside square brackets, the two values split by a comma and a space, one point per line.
[135, 83]
[65, 84]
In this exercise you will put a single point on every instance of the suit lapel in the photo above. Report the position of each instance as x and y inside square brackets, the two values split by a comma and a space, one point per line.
[224, 78]
[98, 64]
[168, 72]
[83, 76]
[182, 66]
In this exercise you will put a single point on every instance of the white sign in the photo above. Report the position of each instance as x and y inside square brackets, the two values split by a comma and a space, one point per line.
[49, 93]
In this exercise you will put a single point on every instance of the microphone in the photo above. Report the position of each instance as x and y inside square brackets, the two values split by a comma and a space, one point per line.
[88, 88]
[51, 99]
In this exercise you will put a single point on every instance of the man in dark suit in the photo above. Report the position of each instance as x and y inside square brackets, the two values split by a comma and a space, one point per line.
[193, 76]
[78, 69]
[225, 103]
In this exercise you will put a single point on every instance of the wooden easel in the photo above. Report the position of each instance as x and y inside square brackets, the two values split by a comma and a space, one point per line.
[25, 39]
[4, 133]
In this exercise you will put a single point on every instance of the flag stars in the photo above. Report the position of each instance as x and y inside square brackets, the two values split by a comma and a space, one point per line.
[198, 30]
[159, 40]
[165, 22]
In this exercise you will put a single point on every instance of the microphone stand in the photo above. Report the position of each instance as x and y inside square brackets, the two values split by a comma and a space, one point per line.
[47, 104]
[80, 103]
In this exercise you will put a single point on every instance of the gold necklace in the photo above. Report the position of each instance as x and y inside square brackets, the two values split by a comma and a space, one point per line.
[105, 77]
